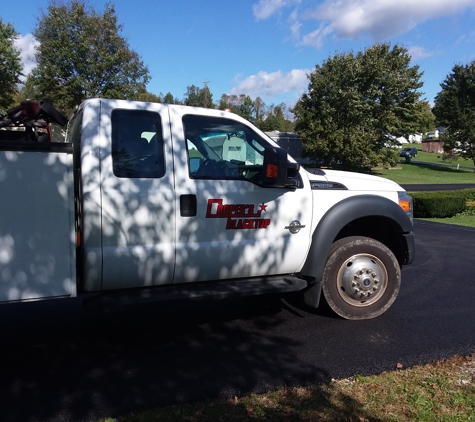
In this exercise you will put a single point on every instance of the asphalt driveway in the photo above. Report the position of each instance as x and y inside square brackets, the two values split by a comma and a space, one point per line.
[62, 363]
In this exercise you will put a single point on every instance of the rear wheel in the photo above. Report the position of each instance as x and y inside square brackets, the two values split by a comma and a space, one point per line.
[361, 278]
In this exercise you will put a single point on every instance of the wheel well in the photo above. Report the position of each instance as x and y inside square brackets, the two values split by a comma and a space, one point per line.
[382, 229]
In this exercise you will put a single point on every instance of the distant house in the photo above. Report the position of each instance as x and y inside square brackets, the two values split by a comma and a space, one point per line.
[432, 141]
[434, 134]
[416, 138]
[402, 140]
[441, 130]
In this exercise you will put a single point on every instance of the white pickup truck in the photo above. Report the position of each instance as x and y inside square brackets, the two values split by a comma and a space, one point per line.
[148, 201]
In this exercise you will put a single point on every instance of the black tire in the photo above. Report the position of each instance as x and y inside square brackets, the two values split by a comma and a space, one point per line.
[361, 278]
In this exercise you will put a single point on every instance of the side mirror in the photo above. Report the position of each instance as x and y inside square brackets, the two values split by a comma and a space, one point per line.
[277, 169]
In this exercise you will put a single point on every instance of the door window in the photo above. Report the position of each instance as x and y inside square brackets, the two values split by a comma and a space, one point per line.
[220, 148]
[137, 144]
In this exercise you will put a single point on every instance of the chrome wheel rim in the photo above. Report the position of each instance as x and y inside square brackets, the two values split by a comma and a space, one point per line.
[362, 280]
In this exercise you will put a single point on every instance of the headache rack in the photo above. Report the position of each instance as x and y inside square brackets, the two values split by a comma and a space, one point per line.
[30, 121]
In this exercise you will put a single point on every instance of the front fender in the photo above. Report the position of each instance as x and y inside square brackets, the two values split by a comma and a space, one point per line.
[343, 213]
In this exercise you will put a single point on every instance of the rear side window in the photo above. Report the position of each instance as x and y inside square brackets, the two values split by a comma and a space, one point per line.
[137, 144]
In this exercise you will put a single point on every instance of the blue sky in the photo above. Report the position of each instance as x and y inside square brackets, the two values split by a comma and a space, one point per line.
[267, 47]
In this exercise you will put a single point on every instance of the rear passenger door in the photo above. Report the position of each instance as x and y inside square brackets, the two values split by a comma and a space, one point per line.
[138, 199]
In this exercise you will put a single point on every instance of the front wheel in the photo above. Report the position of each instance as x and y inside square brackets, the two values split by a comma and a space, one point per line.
[361, 278]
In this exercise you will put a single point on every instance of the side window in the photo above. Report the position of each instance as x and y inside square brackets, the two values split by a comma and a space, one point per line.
[220, 148]
[73, 136]
[137, 144]
[74, 129]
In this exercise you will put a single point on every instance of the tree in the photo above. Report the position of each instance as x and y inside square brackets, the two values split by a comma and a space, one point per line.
[143, 95]
[241, 105]
[247, 108]
[455, 109]
[357, 104]
[275, 119]
[259, 107]
[231, 102]
[425, 117]
[29, 89]
[168, 99]
[192, 96]
[10, 65]
[198, 97]
[82, 54]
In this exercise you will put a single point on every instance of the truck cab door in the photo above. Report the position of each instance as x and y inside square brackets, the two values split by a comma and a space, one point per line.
[240, 227]
[137, 196]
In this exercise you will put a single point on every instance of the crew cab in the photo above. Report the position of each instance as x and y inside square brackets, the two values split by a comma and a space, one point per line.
[150, 201]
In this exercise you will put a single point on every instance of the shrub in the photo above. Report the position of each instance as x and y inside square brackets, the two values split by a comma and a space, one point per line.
[441, 204]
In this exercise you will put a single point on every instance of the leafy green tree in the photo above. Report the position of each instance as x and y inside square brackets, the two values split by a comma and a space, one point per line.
[192, 96]
[265, 118]
[241, 105]
[29, 90]
[168, 99]
[231, 102]
[198, 97]
[82, 54]
[247, 108]
[10, 66]
[224, 102]
[275, 119]
[143, 95]
[455, 109]
[259, 111]
[425, 117]
[206, 97]
[357, 104]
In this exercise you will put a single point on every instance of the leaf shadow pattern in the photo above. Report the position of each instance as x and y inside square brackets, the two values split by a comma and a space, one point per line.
[63, 363]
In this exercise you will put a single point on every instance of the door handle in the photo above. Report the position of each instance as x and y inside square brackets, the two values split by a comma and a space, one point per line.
[188, 205]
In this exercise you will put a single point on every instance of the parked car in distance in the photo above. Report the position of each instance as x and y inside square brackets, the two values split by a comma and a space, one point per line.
[408, 152]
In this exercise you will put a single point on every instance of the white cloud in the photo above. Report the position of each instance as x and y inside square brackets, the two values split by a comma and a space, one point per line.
[266, 8]
[295, 24]
[351, 19]
[418, 52]
[266, 85]
[382, 18]
[26, 45]
[316, 37]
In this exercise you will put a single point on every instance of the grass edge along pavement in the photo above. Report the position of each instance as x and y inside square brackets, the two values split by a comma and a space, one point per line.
[438, 391]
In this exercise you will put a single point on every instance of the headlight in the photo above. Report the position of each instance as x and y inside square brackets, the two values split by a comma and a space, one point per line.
[405, 202]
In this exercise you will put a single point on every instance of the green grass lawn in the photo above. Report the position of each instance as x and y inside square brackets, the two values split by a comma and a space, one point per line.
[440, 391]
[415, 173]
[407, 174]
[459, 220]
[435, 157]
[426, 174]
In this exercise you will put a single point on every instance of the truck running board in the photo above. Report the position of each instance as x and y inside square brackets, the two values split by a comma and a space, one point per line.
[198, 291]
